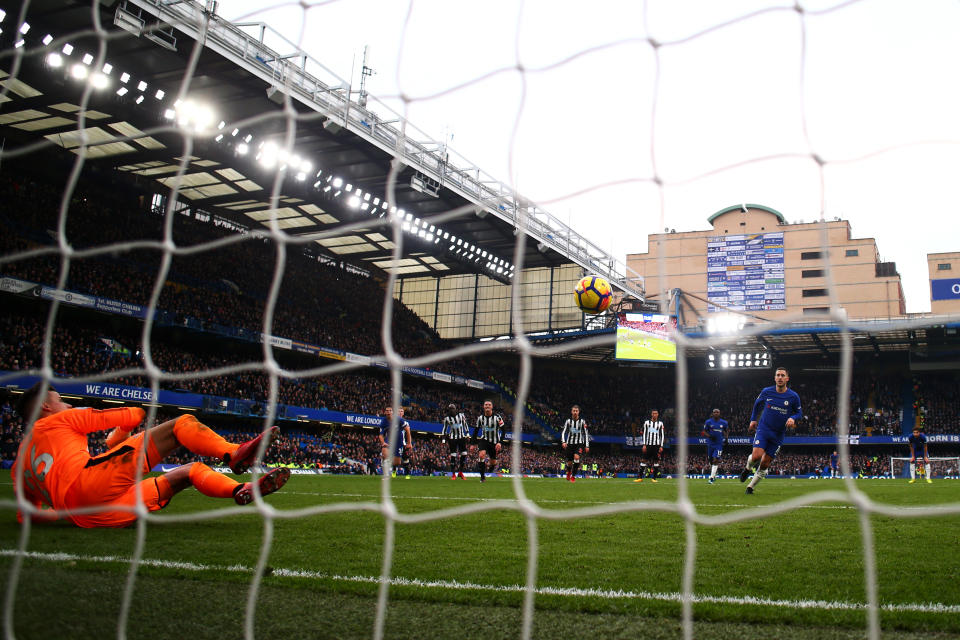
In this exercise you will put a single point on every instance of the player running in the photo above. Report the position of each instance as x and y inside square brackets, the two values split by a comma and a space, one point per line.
[456, 433]
[60, 477]
[715, 429]
[575, 441]
[777, 408]
[918, 449]
[489, 434]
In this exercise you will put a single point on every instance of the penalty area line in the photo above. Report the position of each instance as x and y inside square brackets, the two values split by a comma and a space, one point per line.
[608, 594]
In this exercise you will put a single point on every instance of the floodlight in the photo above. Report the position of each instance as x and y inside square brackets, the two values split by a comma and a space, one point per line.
[99, 81]
[78, 71]
[19, 43]
[24, 28]
[124, 77]
[159, 94]
[55, 60]
[107, 68]
[122, 91]
[242, 149]
[169, 114]
[218, 138]
[301, 176]
[354, 202]
[142, 86]
[3, 14]
[139, 99]
[364, 206]
[67, 49]
[248, 138]
[348, 188]
[337, 182]
[87, 59]
[47, 39]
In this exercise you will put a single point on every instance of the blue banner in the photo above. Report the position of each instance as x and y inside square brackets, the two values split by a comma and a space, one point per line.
[945, 289]
[109, 391]
[214, 404]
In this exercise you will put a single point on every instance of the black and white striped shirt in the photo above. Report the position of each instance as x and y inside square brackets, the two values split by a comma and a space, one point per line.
[455, 427]
[489, 428]
[575, 432]
[653, 433]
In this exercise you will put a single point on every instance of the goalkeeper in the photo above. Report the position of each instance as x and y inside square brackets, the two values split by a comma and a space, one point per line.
[59, 476]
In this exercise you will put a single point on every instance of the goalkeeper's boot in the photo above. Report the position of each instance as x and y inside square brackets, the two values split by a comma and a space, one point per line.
[929, 481]
[244, 457]
[639, 479]
[268, 483]
[749, 491]
[744, 475]
[912, 480]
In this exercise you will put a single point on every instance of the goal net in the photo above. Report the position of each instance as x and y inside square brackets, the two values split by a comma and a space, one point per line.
[939, 467]
[623, 124]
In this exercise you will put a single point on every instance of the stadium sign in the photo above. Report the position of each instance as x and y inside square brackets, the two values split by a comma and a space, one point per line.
[945, 289]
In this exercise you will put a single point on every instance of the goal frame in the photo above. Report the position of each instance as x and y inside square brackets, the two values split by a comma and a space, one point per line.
[932, 459]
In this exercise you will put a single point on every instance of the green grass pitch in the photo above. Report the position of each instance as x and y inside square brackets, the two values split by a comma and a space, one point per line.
[608, 576]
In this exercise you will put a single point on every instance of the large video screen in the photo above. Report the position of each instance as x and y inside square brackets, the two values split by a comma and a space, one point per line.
[646, 336]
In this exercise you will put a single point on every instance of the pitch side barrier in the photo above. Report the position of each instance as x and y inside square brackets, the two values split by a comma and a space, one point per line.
[215, 404]
[29, 289]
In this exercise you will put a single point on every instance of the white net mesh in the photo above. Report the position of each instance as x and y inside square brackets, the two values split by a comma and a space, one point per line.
[676, 153]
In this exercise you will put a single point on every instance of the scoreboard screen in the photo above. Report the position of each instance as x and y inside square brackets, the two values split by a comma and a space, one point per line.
[646, 336]
[745, 273]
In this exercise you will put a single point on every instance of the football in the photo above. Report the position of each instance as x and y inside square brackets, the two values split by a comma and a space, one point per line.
[592, 294]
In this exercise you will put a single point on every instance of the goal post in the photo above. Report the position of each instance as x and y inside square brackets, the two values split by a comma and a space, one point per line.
[940, 467]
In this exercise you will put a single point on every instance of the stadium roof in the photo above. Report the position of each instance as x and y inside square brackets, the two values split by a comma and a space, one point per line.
[742, 207]
[458, 220]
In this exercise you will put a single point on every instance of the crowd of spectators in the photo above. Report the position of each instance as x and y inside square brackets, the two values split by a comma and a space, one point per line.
[223, 286]
[937, 402]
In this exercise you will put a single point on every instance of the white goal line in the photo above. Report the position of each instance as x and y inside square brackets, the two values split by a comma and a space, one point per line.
[609, 594]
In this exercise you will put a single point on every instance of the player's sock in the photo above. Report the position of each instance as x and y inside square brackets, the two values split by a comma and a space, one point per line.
[713, 471]
[201, 439]
[913, 472]
[757, 477]
[482, 468]
[210, 483]
[751, 463]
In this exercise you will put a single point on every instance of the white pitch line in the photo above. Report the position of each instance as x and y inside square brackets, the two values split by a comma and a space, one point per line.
[608, 594]
[376, 497]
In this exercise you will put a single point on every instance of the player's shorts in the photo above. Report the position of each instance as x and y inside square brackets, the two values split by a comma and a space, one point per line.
[458, 446]
[398, 449]
[110, 480]
[714, 450]
[489, 447]
[573, 450]
[769, 441]
[652, 453]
